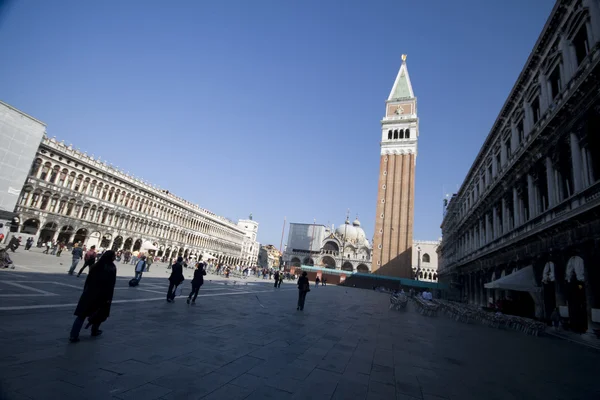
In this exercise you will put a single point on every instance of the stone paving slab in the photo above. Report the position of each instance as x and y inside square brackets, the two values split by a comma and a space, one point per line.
[251, 343]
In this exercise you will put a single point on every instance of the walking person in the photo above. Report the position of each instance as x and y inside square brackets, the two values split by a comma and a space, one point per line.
[96, 299]
[303, 288]
[175, 279]
[555, 317]
[61, 246]
[77, 255]
[140, 267]
[54, 247]
[29, 243]
[317, 281]
[149, 261]
[48, 246]
[88, 260]
[276, 278]
[197, 281]
[280, 279]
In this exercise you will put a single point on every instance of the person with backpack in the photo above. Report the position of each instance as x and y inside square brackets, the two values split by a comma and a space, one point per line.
[88, 260]
[77, 255]
[140, 267]
[303, 288]
[175, 279]
[197, 282]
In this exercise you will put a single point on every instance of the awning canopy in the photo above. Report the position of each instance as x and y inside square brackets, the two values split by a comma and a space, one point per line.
[149, 246]
[521, 280]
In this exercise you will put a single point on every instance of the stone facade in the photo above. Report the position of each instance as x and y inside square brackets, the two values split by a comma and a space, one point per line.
[425, 260]
[268, 257]
[73, 197]
[393, 239]
[532, 195]
[250, 246]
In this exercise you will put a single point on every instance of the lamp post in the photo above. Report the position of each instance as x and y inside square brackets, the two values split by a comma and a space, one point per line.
[418, 262]
[344, 239]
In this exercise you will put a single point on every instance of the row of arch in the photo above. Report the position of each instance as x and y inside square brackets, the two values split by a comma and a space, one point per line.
[70, 207]
[399, 134]
[78, 183]
[67, 233]
[329, 262]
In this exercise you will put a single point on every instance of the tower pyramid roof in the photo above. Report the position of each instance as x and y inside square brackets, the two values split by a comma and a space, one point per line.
[402, 88]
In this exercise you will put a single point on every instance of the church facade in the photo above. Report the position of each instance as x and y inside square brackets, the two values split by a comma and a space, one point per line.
[393, 236]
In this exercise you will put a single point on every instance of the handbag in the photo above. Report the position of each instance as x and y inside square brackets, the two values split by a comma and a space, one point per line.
[177, 291]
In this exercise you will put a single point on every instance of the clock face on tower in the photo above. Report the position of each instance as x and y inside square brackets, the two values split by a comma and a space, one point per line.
[398, 109]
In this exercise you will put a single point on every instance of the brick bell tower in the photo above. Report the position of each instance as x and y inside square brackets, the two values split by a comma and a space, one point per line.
[393, 239]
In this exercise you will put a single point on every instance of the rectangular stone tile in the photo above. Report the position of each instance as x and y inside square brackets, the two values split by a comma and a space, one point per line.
[266, 392]
[322, 381]
[57, 389]
[239, 366]
[350, 391]
[146, 392]
[229, 392]
[354, 377]
[377, 389]
[294, 372]
[286, 384]
[248, 381]
[408, 386]
[380, 373]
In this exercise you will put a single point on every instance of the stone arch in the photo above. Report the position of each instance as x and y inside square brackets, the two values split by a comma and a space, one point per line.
[80, 235]
[128, 244]
[168, 253]
[347, 266]
[308, 261]
[186, 253]
[426, 258]
[65, 233]
[48, 231]
[117, 243]
[137, 245]
[330, 245]
[45, 170]
[329, 262]
[94, 239]
[575, 269]
[106, 240]
[362, 268]
[30, 226]
[407, 133]
[295, 261]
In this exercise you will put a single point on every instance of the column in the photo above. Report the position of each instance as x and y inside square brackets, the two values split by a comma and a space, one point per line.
[502, 153]
[516, 208]
[544, 100]
[488, 229]
[576, 162]
[550, 181]
[531, 197]
[504, 216]
[568, 59]
[495, 220]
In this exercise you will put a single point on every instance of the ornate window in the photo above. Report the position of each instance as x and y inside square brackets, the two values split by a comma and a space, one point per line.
[54, 174]
[45, 171]
[78, 183]
[426, 258]
[407, 133]
[35, 167]
[63, 177]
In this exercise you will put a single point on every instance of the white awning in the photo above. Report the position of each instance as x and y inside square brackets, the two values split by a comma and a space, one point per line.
[521, 280]
[148, 246]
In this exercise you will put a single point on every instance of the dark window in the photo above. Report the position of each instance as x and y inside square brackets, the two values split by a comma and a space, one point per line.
[426, 258]
[535, 110]
[555, 83]
[498, 162]
[580, 42]
[390, 134]
[401, 133]
[520, 131]
[407, 134]
[396, 134]
[507, 145]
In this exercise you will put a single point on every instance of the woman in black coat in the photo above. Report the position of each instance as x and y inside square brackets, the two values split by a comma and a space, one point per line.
[175, 279]
[96, 299]
[303, 288]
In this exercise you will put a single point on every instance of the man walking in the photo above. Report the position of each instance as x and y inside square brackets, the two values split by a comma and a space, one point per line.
[77, 255]
[88, 260]
[197, 281]
[175, 279]
[140, 267]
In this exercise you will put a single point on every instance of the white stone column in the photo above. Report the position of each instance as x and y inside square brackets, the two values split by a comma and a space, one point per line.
[576, 163]
[550, 182]
[516, 208]
[531, 197]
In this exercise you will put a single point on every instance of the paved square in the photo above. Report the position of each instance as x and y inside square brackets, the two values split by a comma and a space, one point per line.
[247, 341]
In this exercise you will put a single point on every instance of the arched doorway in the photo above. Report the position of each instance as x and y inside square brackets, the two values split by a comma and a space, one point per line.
[362, 268]
[65, 233]
[295, 262]
[180, 252]
[30, 227]
[128, 244]
[328, 262]
[160, 252]
[575, 278]
[331, 247]
[117, 243]
[186, 253]
[48, 231]
[94, 239]
[105, 242]
[168, 253]
[348, 266]
[80, 235]
[308, 261]
[138, 245]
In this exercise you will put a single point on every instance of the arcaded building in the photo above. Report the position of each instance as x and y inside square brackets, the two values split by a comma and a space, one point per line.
[72, 197]
[524, 228]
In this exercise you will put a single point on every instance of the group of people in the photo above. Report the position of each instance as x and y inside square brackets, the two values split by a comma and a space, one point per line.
[98, 291]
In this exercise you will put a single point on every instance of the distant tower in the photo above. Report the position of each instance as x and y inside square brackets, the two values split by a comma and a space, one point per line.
[392, 243]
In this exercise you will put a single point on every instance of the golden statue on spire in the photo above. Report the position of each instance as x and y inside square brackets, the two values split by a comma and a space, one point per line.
[403, 57]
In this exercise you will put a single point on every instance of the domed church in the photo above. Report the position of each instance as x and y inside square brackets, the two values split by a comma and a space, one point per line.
[321, 246]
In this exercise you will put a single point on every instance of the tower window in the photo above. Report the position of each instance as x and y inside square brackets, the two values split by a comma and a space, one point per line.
[396, 134]
[407, 133]
[535, 110]
[426, 258]
[390, 134]
[580, 42]
[401, 133]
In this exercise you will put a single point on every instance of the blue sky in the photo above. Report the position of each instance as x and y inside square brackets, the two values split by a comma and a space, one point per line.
[269, 107]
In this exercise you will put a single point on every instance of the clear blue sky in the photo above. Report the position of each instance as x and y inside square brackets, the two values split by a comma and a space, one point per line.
[269, 107]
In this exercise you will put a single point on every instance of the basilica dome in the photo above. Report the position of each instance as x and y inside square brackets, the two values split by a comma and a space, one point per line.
[352, 233]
